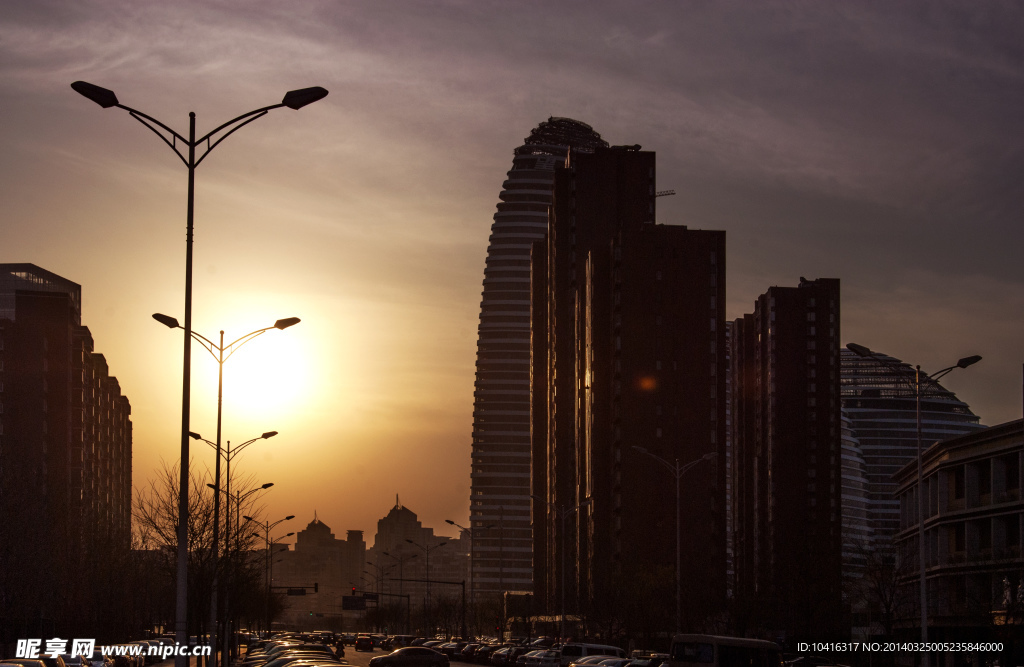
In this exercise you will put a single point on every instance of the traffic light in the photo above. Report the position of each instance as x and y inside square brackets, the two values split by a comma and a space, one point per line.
[353, 590]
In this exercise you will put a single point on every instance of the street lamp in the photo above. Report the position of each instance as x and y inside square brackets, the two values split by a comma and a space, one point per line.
[563, 513]
[228, 644]
[173, 323]
[401, 564]
[472, 550]
[427, 551]
[915, 386]
[266, 526]
[677, 471]
[295, 99]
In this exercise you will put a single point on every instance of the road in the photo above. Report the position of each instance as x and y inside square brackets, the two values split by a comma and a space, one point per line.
[362, 658]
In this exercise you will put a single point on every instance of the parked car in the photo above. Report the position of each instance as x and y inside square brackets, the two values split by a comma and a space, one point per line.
[364, 643]
[411, 656]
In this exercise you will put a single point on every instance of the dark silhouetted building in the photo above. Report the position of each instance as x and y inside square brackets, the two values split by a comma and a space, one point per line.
[322, 559]
[974, 518]
[786, 442]
[879, 397]
[65, 463]
[500, 479]
[401, 563]
[628, 351]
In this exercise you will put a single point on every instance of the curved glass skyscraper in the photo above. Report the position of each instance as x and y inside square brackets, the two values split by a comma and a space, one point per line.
[878, 398]
[500, 481]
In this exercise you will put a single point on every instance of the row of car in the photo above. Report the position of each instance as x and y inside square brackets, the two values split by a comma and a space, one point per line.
[291, 651]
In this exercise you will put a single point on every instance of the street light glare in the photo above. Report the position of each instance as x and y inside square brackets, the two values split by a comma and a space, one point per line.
[286, 322]
[296, 99]
[101, 96]
[166, 320]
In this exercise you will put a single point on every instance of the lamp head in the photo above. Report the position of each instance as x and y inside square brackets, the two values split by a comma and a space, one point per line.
[289, 517]
[449, 521]
[859, 350]
[212, 486]
[968, 361]
[267, 485]
[194, 435]
[101, 96]
[166, 320]
[248, 518]
[269, 434]
[286, 322]
[296, 99]
[709, 456]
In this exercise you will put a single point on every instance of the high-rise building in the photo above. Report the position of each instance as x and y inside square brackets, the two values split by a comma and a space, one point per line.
[406, 554]
[322, 559]
[65, 461]
[787, 453]
[628, 354]
[500, 478]
[879, 398]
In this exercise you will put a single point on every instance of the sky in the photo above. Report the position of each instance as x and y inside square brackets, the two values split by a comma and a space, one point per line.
[875, 142]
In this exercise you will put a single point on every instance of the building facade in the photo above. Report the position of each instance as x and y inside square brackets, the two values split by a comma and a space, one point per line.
[65, 460]
[787, 461]
[879, 398]
[974, 517]
[628, 354]
[500, 477]
[317, 559]
[406, 555]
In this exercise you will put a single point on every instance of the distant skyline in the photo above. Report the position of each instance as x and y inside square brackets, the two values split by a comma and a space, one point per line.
[875, 143]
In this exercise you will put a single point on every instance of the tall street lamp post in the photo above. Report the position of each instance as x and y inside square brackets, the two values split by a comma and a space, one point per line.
[228, 644]
[915, 386]
[562, 513]
[401, 564]
[472, 551]
[295, 99]
[266, 526]
[216, 479]
[677, 471]
[427, 550]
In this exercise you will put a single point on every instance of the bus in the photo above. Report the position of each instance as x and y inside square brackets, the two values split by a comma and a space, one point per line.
[715, 651]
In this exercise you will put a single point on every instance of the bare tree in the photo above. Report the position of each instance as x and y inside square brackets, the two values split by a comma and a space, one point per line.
[155, 524]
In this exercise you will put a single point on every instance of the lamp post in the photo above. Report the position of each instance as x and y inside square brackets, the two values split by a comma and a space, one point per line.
[915, 386]
[401, 563]
[228, 643]
[295, 99]
[266, 526]
[472, 553]
[171, 322]
[562, 513]
[677, 471]
[427, 551]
